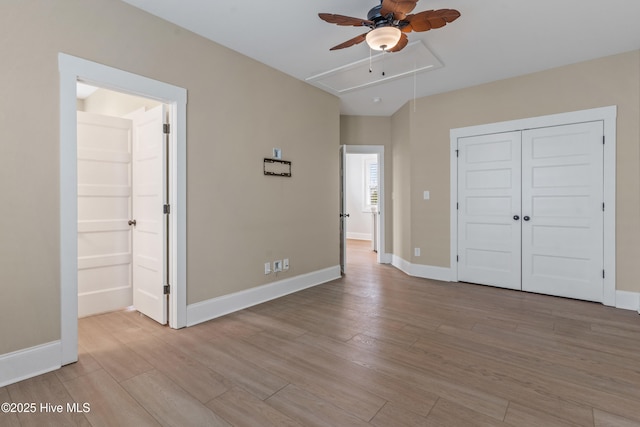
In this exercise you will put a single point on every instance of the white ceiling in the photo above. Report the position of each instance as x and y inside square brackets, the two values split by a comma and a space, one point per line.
[492, 40]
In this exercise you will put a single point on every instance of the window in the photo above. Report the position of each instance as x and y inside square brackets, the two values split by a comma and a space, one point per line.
[370, 183]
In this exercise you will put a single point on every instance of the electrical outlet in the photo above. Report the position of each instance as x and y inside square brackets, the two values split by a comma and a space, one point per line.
[285, 264]
[416, 251]
[277, 266]
[267, 268]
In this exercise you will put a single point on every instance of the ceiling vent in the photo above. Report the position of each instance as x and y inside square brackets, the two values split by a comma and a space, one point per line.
[415, 58]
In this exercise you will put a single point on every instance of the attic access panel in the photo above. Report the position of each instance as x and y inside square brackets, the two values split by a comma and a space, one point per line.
[413, 58]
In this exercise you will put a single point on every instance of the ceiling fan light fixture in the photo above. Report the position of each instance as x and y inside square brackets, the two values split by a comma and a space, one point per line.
[383, 38]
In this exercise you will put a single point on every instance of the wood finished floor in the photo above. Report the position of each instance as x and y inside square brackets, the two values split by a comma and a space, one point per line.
[376, 348]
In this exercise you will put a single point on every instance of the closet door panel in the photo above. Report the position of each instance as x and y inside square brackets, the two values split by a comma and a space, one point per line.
[562, 227]
[489, 209]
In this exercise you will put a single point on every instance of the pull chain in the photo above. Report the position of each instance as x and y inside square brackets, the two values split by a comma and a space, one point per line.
[384, 51]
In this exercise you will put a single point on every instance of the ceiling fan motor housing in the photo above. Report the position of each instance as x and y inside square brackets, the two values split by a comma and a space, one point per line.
[378, 20]
[374, 14]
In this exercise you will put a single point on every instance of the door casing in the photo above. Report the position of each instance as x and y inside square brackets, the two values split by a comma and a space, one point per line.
[71, 70]
[608, 116]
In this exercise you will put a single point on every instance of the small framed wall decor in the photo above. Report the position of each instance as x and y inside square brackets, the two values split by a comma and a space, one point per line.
[276, 167]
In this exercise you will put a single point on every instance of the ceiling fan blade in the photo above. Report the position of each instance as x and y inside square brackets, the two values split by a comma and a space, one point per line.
[351, 42]
[430, 19]
[344, 20]
[399, 8]
[404, 40]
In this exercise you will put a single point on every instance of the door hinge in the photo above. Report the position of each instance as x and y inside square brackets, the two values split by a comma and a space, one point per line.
[603, 274]
[602, 206]
[167, 289]
[457, 258]
[603, 139]
[457, 205]
[166, 209]
[166, 128]
[457, 153]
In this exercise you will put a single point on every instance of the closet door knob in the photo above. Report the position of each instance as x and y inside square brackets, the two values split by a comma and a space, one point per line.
[516, 217]
[132, 222]
[526, 218]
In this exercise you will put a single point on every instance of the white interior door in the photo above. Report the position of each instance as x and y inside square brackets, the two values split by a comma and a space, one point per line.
[104, 207]
[150, 230]
[562, 195]
[343, 207]
[489, 209]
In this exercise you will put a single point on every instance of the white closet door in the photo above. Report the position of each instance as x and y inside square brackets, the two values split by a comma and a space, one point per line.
[489, 209]
[104, 207]
[562, 227]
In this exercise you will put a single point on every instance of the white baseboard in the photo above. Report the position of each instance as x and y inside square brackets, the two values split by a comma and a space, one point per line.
[216, 307]
[420, 270]
[104, 301]
[22, 364]
[628, 300]
[624, 299]
[358, 236]
[401, 264]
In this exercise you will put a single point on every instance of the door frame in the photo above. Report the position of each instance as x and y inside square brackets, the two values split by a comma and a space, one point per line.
[73, 69]
[381, 257]
[605, 114]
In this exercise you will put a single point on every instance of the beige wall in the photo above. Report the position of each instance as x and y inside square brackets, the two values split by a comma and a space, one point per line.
[401, 195]
[238, 109]
[370, 130]
[602, 82]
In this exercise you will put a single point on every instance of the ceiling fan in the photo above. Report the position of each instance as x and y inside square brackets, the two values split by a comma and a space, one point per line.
[389, 22]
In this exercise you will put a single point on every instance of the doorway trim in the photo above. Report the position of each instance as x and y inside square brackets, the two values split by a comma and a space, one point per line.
[381, 256]
[71, 70]
[605, 114]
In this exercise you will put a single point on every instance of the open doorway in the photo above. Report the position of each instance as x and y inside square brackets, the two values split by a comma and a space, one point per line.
[362, 204]
[122, 174]
[72, 70]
